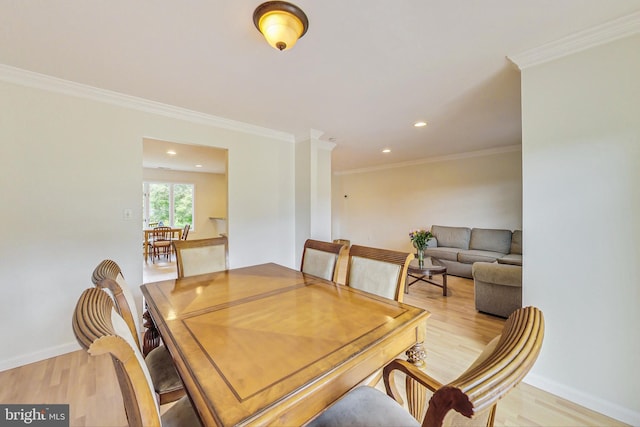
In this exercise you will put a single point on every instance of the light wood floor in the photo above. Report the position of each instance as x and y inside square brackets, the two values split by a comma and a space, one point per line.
[456, 333]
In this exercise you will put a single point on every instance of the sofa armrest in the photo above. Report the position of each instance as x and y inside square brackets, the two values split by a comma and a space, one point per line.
[497, 274]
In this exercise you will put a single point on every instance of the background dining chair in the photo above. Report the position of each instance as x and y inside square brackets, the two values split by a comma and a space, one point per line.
[166, 381]
[474, 394]
[321, 259]
[379, 271]
[185, 232]
[99, 329]
[201, 256]
[161, 238]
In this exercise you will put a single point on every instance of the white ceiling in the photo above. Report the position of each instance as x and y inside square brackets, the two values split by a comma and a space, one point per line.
[191, 158]
[363, 73]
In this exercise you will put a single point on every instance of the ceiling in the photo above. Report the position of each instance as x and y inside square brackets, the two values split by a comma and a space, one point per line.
[363, 74]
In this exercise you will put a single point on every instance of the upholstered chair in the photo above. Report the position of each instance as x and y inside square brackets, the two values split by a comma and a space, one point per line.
[468, 400]
[322, 259]
[167, 383]
[201, 256]
[378, 271]
[99, 329]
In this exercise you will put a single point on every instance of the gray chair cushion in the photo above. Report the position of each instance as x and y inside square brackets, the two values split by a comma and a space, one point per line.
[163, 373]
[490, 240]
[181, 414]
[366, 407]
[452, 237]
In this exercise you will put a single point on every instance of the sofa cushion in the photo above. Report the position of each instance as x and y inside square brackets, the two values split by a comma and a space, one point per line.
[498, 274]
[516, 242]
[450, 254]
[490, 240]
[473, 255]
[452, 237]
[512, 259]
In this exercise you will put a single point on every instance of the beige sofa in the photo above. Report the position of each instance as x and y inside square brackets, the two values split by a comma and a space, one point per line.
[497, 287]
[459, 247]
[493, 258]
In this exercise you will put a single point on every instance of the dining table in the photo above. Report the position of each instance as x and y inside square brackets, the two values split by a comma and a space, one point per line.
[175, 232]
[270, 345]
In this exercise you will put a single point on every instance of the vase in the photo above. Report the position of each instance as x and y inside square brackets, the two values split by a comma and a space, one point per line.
[420, 257]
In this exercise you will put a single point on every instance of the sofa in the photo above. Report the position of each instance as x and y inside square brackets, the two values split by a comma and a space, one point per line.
[497, 287]
[458, 248]
[493, 258]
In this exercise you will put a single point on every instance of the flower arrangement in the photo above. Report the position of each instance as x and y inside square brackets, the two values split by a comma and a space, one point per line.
[420, 237]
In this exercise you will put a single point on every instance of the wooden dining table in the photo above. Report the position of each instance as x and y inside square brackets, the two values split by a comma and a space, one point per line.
[269, 345]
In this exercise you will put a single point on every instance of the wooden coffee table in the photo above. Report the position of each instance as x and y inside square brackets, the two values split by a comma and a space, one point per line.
[430, 268]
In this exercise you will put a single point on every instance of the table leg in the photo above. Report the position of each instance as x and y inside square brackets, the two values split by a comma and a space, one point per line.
[151, 338]
[444, 284]
[416, 393]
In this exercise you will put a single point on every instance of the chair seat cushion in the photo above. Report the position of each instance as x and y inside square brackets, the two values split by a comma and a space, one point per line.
[366, 407]
[181, 414]
[163, 373]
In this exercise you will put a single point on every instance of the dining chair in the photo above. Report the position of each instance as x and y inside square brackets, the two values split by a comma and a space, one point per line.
[185, 232]
[161, 238]
[99, 329]
[470, 399]
[378, 271]
[201, 256]
[167, 383]
[321, 259]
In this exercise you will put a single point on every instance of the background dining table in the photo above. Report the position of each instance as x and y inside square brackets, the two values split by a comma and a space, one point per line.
[267, 344]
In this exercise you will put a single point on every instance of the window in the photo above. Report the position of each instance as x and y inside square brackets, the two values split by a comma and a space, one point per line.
[167, 203]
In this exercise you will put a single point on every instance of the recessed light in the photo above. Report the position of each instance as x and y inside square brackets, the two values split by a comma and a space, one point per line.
[171, 153]
[420, 124]
[386, 150]
[198, 166]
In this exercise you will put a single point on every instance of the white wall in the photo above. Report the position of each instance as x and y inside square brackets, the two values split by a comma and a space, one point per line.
[382, 206]
[210, 198]
[71, 165]
[581, 179]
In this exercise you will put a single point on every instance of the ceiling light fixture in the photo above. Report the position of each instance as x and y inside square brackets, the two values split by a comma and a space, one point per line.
[386, 150]
[420, 124]
[281, 23]
[171, 153]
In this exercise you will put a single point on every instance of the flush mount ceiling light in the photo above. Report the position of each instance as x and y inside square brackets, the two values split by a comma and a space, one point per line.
[420, 124]
[281, 23]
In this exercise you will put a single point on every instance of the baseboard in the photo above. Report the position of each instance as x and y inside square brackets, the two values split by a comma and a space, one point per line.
[604, 407]
[37, 356]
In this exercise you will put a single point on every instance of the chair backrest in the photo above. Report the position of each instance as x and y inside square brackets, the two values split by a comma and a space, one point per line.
[108, 276]
[99, 329]
[185, 232]
[162, 233]
[501, 366]
[321, 259]
[379, 271]
[201, 256]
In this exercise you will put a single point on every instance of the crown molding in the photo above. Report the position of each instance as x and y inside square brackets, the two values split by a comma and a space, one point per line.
[467, 155]
[53, 84]
[601, 34]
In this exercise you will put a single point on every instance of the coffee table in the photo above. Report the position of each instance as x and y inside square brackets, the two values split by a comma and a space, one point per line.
[430, 268]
